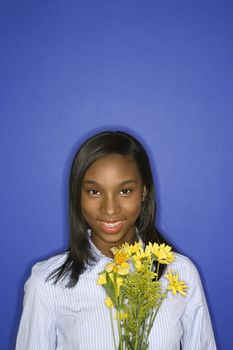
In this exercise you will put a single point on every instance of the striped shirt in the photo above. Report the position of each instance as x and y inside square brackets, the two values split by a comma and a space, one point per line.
[61, 318]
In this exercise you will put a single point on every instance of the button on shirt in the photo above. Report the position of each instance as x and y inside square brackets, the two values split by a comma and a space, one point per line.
[61, 318]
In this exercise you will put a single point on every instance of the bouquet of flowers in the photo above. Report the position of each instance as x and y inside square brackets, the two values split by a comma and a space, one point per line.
[134, 291]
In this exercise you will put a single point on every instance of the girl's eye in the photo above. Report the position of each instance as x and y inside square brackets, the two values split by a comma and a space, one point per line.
[125, 191]
[93, 193]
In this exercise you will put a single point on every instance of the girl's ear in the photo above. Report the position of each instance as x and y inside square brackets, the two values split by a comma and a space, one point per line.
[144, 193]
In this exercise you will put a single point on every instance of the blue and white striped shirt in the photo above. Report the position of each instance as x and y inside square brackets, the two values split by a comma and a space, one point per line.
[56, 317]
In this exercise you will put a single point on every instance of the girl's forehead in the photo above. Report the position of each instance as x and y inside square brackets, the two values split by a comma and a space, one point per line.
[113, 165]
[112, 160]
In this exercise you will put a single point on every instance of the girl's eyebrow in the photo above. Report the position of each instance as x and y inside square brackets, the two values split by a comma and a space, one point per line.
[125, 182]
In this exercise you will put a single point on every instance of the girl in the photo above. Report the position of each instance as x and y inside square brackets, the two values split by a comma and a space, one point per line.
[111, 201]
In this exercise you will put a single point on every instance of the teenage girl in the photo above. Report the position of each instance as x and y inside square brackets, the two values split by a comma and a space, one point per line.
[111, 201]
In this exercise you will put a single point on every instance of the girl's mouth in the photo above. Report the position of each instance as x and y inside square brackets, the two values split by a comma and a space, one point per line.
[111, 226]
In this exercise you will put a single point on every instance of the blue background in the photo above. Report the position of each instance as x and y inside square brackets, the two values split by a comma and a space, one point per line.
[159, 69]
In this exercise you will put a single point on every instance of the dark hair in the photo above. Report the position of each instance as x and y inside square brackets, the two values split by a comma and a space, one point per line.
[96, 147]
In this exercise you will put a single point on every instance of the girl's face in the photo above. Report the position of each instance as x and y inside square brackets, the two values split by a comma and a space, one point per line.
[111, 198]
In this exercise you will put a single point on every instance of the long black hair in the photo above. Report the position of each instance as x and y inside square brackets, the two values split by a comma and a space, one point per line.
[79, 254]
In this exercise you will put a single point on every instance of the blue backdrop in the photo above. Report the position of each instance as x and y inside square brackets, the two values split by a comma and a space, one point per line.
[159, 69]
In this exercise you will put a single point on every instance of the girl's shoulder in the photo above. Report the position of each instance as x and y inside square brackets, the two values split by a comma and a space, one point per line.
[184, 266]
[50, 264]
[41, 271]
[183, 260]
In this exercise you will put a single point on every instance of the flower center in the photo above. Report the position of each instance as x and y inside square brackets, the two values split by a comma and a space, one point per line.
[120, 258]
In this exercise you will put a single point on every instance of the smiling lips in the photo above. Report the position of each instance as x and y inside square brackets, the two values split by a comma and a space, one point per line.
[111, 226]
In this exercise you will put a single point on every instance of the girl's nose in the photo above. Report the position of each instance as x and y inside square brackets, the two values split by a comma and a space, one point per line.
[110, 205]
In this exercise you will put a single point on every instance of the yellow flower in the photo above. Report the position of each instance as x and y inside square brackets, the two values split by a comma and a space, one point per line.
[176, 285]
[121, 269]
[121, 315]
[110, 267]
[102, 279]
[108, 302]
[122, 255]
[138, 265]
[149, 249]
[124, 248]
[163, 253]
[135, 248]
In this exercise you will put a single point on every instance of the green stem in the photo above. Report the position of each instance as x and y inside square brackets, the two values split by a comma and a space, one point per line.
[119, 332]
[112, 327]
[136, 343]
[152, 318]
[138, 330]
[142, 334]
[157, 271]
